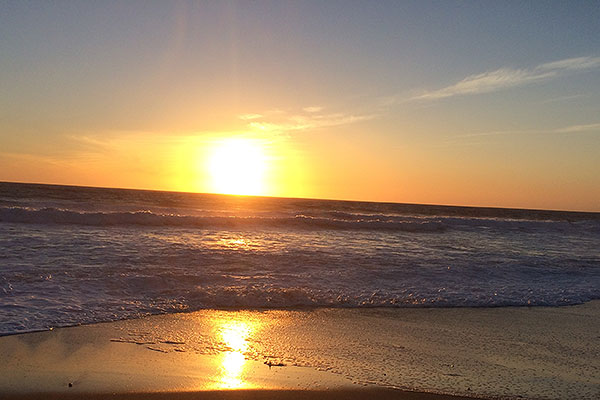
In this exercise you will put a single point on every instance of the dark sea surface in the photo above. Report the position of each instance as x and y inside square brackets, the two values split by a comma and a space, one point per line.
[72, 255]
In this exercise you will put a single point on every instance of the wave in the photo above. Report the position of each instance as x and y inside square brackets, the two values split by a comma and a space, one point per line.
[325, 221]
[148, 218]
[328, 221]
[44, 313]
[293, 297]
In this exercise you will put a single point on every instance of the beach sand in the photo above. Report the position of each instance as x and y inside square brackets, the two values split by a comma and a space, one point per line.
[538, 352]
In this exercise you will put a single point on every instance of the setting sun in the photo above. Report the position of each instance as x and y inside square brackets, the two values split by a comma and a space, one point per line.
[238, 166]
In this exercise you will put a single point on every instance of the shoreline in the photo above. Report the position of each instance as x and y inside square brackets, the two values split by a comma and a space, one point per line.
[301, 309]
[496, 352]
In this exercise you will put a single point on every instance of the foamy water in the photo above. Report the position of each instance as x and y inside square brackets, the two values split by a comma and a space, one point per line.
[74, 255]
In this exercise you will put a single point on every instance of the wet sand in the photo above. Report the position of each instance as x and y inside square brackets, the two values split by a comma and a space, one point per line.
[245, 394]
[538, 352]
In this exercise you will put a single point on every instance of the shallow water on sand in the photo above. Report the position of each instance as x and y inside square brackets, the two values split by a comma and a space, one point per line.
[536, 352]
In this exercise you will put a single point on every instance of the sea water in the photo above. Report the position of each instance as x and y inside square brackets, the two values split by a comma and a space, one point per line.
[72, 255]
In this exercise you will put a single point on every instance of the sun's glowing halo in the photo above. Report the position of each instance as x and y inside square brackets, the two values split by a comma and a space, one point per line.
[238, 166]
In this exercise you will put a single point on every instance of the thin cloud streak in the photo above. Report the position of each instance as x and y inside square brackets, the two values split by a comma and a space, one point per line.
[302, 123]
[580, 128]
[564, 98]
[503, 78]
[246, 117]
[498, 133]
[312, 109]
[307, 118]
[567, 129]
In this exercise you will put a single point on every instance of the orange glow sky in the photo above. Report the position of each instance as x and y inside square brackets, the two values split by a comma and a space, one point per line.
[417, 102]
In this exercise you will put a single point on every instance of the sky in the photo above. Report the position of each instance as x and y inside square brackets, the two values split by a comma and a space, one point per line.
[480, 103]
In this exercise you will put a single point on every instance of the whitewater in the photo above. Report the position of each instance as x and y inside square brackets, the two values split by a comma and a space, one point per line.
[73, 255]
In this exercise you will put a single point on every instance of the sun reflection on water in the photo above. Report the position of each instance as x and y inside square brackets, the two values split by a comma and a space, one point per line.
[237, 244]
[232, 368]
[234, 335]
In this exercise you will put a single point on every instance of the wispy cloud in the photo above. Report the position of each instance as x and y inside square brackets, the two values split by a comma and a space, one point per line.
[579, 128]
[571, 64]
[503, 78]
[497, 133]
[300, 123]
[567, 129]
[247, 117]
[307, 119]
[312, 109]
[564, 98]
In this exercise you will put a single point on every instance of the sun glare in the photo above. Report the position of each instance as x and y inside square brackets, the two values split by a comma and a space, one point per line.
[238, 166]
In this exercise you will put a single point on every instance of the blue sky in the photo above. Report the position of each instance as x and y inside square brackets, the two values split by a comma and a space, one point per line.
[480, 103]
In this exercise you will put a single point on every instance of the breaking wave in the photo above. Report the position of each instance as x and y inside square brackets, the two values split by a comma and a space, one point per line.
[148, 218]
[324, 221]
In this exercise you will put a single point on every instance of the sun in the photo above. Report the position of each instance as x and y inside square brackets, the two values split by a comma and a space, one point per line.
[238, 166]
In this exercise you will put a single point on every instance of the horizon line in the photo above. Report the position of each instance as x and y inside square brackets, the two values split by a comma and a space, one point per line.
[305, 198]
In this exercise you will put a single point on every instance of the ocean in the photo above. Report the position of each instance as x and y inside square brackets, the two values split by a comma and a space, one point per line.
[76, 255]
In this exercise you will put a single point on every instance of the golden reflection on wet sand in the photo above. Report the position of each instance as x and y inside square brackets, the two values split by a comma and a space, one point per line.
[231, 371]
[234, 335]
